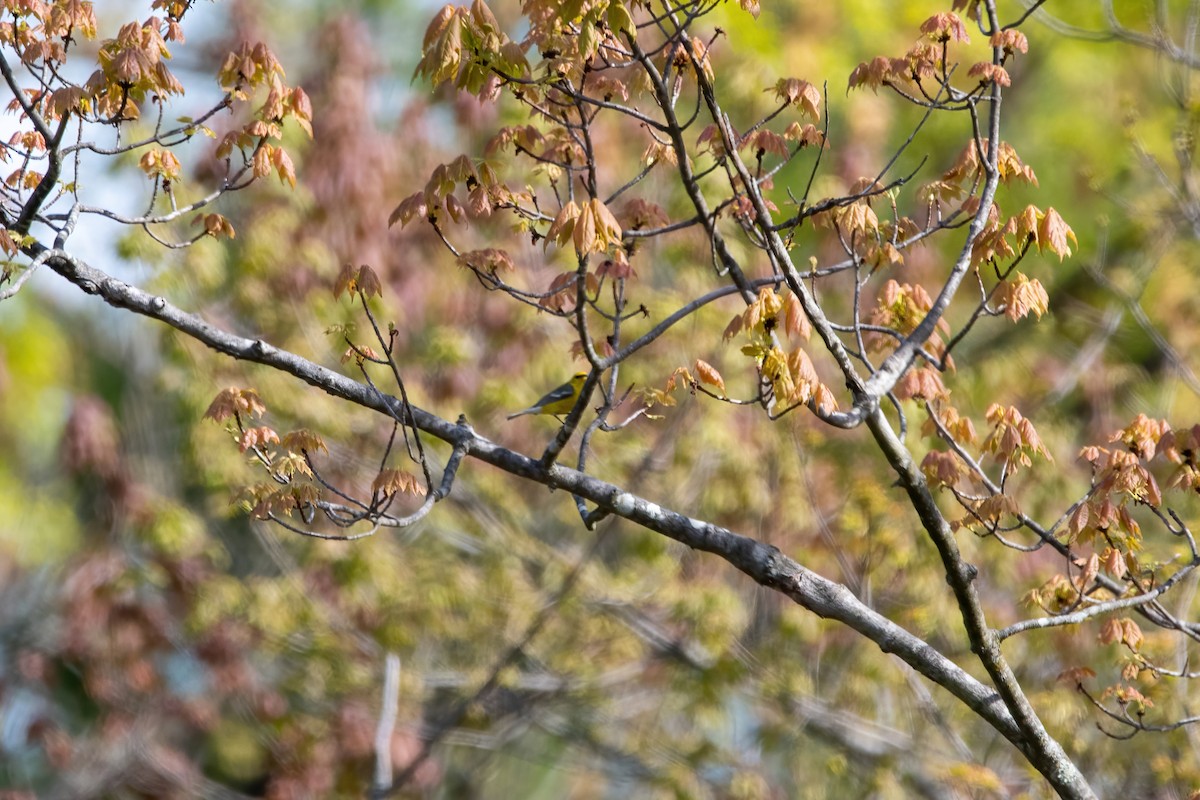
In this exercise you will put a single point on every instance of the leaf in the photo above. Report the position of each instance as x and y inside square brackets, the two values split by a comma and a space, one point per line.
[1091, 568]
[1053, 234]
[563, 227]
[806, 135]
[1113, 562]
[360, 354]
[942, 468]
[795, 321]
[491, 260]
[945, 27]
[302, 110]
[706, 373]
[291, 464]
[1076, 675]
[454, 208]
[284, 167]
[1024, 296]
[710, 140]
[1011, 167]
[733, 328]
[303, 440]
[160, 162]
[922, 383]
[801, 94]
[395, 481]
[216, 226]
[990, 73]
[584, 235]
[235, 402]
[1078, 521]
[1011, 41]
[617, 267]
[1131, 634]
[560, 295]
[762, 314]
[256, 438]
[640, 214]
[619, 19]
[437, 26]
[261, 162]
[824, 400]
[1110, 631]
[1027, 222]
[368, 282]
[765, 141]
[410, 208]
[345, 282]
[607, 226]
[877, 72]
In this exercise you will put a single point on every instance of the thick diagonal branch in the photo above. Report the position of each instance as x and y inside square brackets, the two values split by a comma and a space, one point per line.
[763, 563]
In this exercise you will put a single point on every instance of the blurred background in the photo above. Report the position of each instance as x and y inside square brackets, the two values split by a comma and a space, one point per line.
[155, 641]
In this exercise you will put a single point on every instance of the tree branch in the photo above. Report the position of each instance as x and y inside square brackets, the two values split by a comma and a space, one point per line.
[763, 563]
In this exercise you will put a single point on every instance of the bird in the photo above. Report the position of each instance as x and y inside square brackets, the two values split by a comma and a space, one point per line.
[558, 401]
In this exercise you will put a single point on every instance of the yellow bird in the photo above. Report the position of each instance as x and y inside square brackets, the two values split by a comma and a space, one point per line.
[558, 401]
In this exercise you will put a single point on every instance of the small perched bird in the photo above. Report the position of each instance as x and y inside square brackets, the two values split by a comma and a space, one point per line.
[558, 401]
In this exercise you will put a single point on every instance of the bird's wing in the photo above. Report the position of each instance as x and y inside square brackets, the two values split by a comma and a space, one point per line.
[561, 393]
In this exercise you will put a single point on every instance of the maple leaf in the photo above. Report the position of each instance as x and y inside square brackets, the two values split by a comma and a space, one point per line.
[638, 214]
[394, 481]
[945, 27]
[360, 355]
[235, 401]
[922, 383]
[1011, 166]
[261, 163]
[490, 260]
[801, 94]
[563, 226]
[368, 282]
[765, 141]
[1011, 41]
[795, 321]
[1027, 222]
[412, 207]
[873, 73]
[284, 167]
[290, 465]
[584, 233]
[1078, 521]
[160, 162]
[1024, 296]
[560, 296]
[302, 111]
[990, 73]
[1113, 561]
[942, 468]
[617, 267]
[303, 440]
[1076, 675]
[733, 328]
[807, 134]
[708, 374]
[256, 438]
[1053, 234]
[762, 312]
[216, 226]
